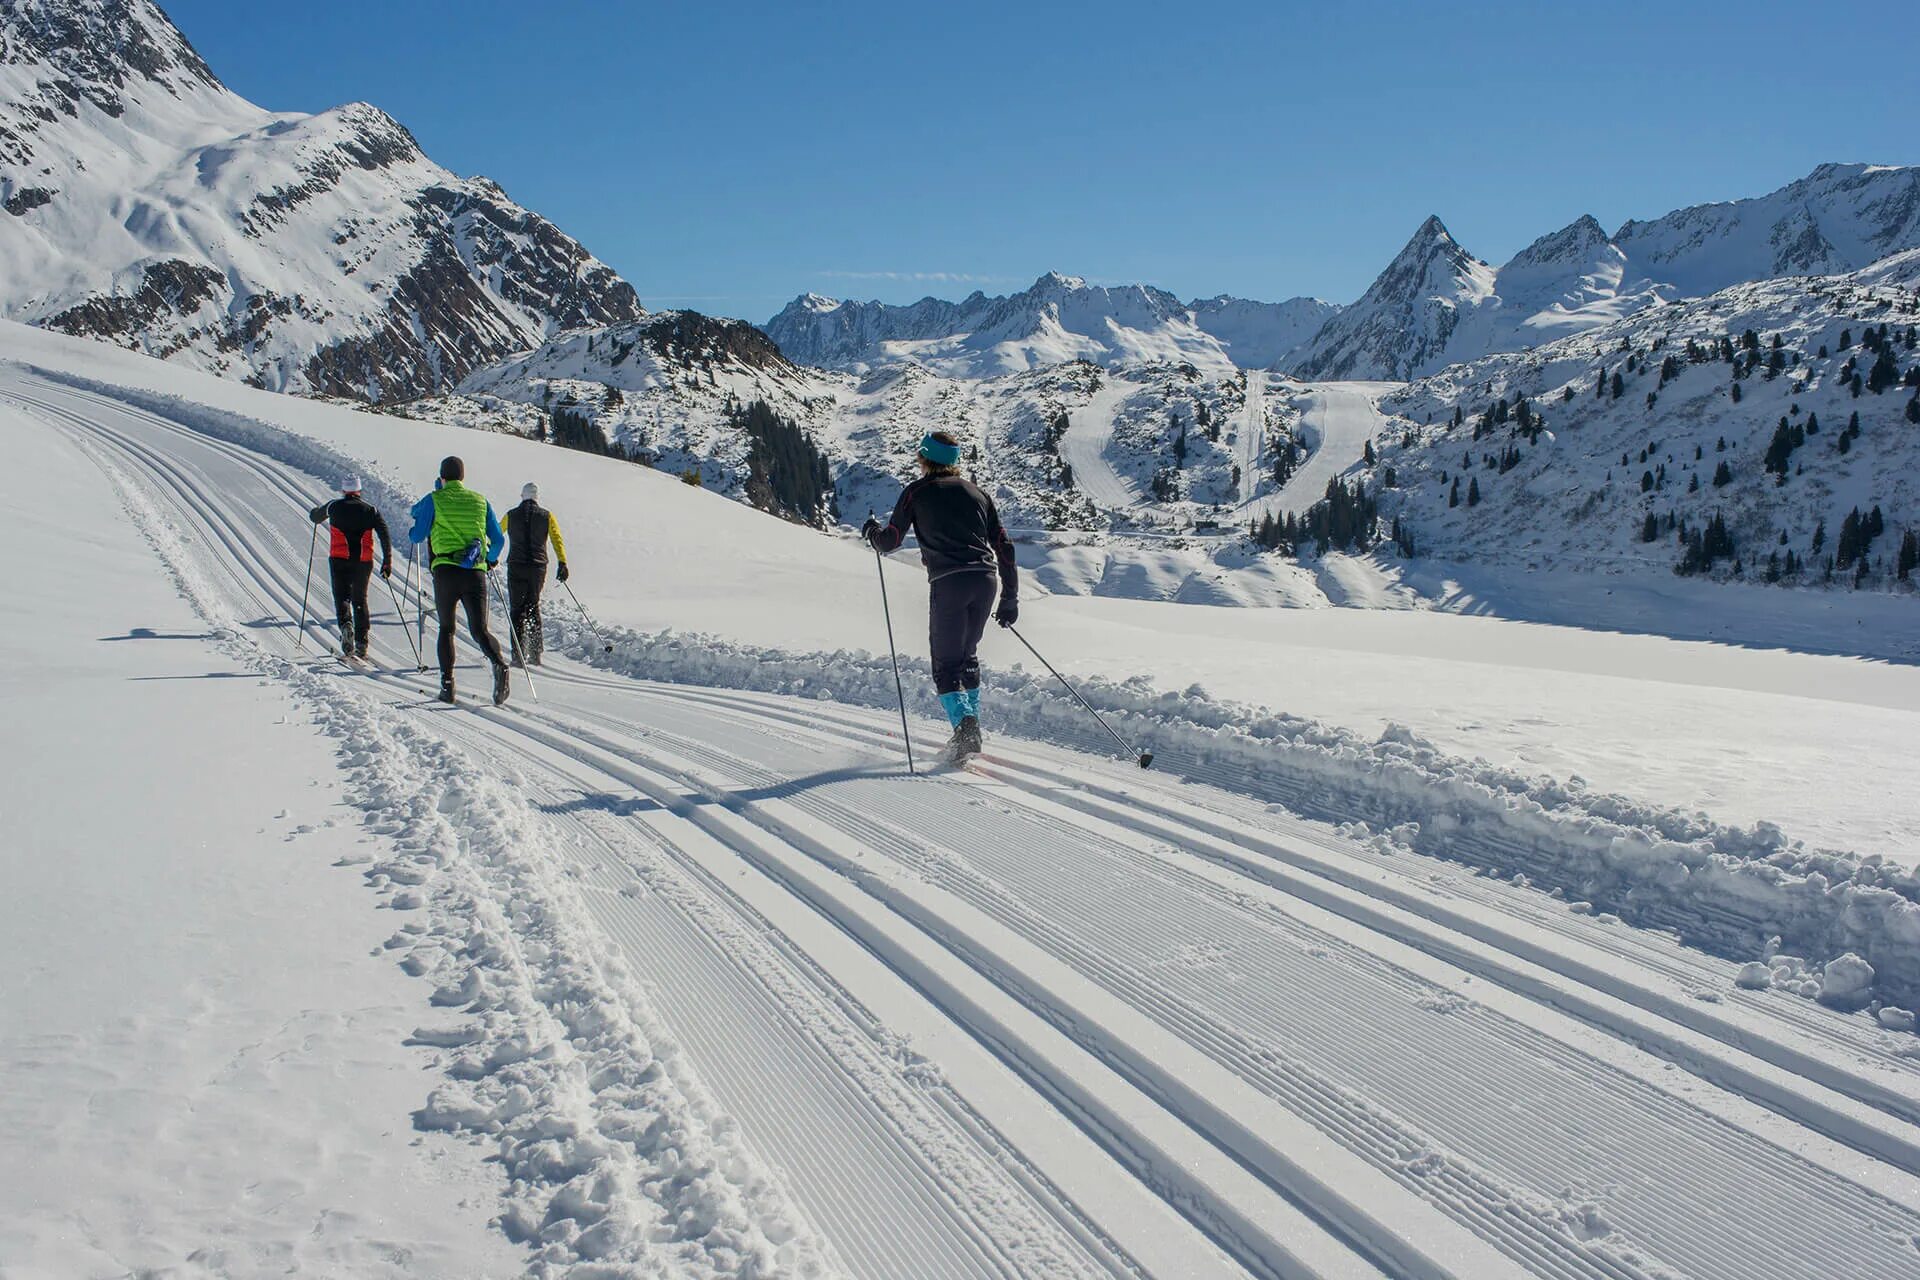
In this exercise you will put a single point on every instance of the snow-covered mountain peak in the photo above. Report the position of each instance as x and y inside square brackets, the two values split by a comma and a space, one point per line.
[146, 204]
[1574, 244]
[100, 47]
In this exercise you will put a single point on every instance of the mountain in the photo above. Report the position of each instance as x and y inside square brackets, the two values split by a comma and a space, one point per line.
[1406, 318]
[1636, 435]
[1435, 305]
[148, 205]
[1839, 218]
[1059, 318]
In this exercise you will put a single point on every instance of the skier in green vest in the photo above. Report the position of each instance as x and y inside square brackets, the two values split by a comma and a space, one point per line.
[464, 541]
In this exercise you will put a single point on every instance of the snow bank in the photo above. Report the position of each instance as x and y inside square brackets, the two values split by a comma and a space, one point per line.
[1726, 889]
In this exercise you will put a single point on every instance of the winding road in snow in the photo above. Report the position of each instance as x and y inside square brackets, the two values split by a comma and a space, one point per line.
[1052, 1016]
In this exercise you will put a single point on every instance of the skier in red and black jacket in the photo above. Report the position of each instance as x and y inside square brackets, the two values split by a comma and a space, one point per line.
[355, 523]
[964, 549]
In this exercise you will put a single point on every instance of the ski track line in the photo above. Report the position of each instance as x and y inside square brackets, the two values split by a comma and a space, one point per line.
[1781, 1071]
[1028, 895]
[988, 891]
[968, 1243]
[1084, 446]
[1252, 438]
[699, 960]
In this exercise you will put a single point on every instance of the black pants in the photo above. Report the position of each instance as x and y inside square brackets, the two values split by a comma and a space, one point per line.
[350, 578]
[454, 587]
[958, 606]
[525, 582]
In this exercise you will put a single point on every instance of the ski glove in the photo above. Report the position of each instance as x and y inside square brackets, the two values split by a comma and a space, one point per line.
[1008, 613]
[492, 565]
[386, 568]
[561, 573]
[868, 529]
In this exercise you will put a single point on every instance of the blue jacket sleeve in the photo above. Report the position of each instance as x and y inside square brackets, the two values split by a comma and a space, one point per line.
[422, 520]
[496, 540]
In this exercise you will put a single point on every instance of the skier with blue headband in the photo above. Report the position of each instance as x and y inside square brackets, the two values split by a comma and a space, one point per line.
[965, 550]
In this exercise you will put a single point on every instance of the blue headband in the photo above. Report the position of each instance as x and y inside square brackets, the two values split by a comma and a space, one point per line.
[939, 452]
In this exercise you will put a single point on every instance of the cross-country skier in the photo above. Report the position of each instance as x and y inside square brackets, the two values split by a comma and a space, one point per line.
[355, 521]
[530, 527]
[963, 547]
[465, 542]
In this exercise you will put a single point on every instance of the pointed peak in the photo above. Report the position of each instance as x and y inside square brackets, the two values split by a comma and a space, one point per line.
[1576, 241]
[1056, 282]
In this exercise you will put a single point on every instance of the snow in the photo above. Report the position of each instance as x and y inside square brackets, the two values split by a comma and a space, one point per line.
[720, 990]
[206, 1060]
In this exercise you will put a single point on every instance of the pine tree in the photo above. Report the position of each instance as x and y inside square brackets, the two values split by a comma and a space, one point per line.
[1473, 492]
[1909, 558]
[1649, 528]
[1618, 385]
[1453, 494]
[1913, 410]
[1366, 454]
[1734, 391]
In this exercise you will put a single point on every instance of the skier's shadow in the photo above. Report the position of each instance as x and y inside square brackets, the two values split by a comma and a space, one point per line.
[625, 805]
[148, 633]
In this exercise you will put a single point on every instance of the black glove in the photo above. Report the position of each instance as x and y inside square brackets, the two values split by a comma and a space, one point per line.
[562, 572]
[491, 565]
[868, 529]
[386, 568]
[1008, 613]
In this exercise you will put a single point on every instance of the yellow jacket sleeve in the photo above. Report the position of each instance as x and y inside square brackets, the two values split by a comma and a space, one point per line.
[553, 536]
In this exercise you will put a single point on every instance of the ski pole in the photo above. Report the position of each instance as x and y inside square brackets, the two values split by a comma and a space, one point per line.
[300, 637]
[605, 643]
[899, 691]
[1144, 757]
[400, 616]
[421, 576]
[519, 640]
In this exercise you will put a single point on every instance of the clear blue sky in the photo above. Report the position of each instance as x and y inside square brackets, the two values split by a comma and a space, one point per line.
[727, 156]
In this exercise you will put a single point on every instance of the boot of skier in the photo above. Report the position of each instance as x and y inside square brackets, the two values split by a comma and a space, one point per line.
[464, 543]
[964, 549]
[355, 523]
[530, 528]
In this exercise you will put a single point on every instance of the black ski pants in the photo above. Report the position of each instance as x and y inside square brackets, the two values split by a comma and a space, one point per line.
[958, 607]
[350, 578]
[525, 582]
[455, 588]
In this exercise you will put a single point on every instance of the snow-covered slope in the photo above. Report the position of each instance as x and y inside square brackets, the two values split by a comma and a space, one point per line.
[718, 989]
[148, 205]
[1059, 318]
[1700, 426]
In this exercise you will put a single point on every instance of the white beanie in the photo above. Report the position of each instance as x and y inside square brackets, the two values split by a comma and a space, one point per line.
[529, 492]
[350, 485]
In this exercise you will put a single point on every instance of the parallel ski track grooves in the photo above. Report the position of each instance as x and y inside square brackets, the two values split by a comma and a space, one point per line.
[984, 890]
[801, 1054]
[1102, 798]
[879, 1239]
[1669, 1221]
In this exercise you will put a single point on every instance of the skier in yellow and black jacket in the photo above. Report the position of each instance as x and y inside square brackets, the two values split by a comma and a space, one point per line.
[530, 529]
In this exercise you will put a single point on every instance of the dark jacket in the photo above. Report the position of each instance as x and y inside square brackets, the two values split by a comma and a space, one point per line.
[355, 521]
[530, 527]
[958, 528]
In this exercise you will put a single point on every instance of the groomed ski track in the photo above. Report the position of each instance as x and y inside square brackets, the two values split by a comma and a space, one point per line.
[1051, 1016]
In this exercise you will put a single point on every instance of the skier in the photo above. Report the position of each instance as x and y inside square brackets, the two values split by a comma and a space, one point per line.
[530, 527]
[462, 536]
[355, 521]
[963, 546]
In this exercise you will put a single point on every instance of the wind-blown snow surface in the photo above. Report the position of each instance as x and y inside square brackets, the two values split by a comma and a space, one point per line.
[729, 994]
